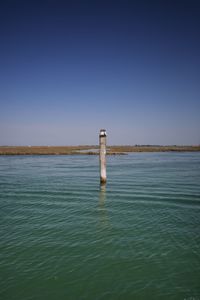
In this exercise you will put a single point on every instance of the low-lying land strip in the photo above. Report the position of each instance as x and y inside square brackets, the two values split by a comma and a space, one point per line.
[89, 150]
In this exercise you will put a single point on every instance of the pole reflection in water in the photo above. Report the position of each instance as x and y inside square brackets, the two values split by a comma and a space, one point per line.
[104, 220]
[102, 195]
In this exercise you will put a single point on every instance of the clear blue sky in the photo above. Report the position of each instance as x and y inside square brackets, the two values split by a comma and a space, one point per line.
[69, 68]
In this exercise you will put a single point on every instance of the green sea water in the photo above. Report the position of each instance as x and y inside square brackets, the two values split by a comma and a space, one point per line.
[62, 236]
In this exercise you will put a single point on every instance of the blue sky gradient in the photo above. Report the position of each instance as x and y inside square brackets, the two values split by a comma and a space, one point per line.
[69, 68]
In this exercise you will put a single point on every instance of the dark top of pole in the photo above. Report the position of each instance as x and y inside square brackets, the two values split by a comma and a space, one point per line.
[102, 132]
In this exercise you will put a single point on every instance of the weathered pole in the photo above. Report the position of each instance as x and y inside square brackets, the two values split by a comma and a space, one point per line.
[102, 155]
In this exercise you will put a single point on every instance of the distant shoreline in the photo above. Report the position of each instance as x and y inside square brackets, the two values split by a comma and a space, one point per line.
[91, 150]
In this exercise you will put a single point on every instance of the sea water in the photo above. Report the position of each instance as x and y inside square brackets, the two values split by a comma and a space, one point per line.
[63, 236]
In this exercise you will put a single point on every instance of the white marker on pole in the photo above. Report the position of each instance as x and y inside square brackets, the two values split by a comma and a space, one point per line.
[102, 155]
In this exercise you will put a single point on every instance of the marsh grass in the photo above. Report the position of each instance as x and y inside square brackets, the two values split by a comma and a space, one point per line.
[90, 150]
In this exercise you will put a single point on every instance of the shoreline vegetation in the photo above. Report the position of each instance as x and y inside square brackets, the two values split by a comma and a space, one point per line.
[91, 149]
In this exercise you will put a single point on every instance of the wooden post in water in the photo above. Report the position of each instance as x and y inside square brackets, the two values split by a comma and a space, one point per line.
[102, 155]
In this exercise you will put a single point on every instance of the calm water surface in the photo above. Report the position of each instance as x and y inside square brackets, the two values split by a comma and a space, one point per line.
[64, 237]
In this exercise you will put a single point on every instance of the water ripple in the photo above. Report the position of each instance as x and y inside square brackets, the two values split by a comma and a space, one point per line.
[64, 237]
